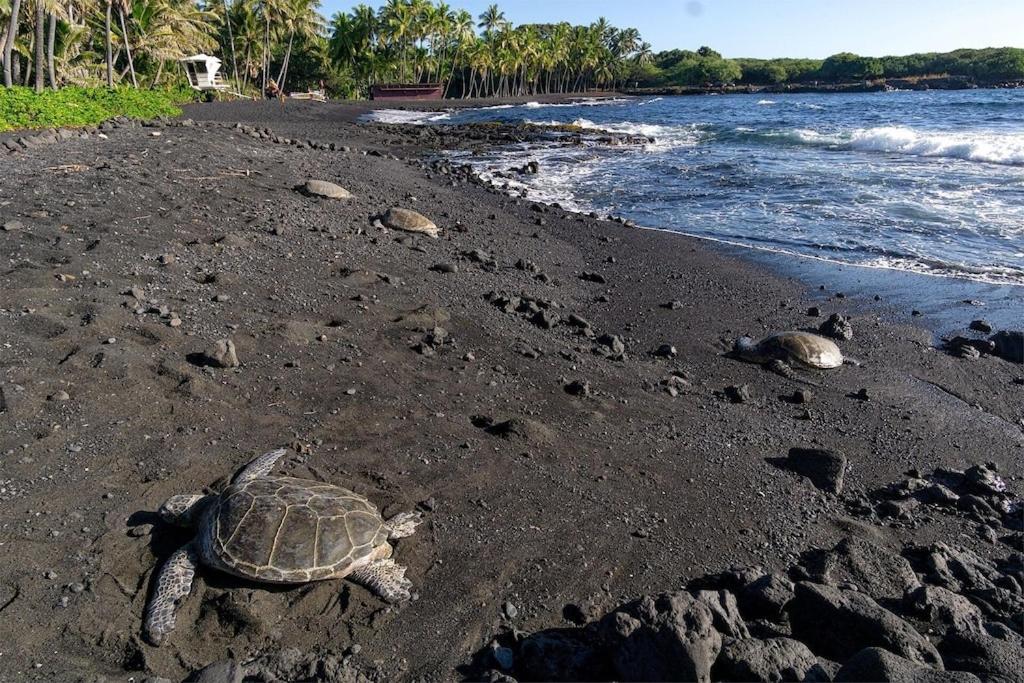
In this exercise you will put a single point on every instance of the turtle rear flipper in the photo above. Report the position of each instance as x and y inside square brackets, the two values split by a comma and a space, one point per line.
[385, 578]
[784, 369]
[172, 585]
[259, 466]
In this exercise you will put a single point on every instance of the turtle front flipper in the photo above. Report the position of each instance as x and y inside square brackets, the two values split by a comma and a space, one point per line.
[258, 467]
[385, 578]
[172, 585]
[403, 524]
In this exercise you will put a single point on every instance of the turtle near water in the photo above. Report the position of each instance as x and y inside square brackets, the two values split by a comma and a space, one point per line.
[279, 530]
[781, 351]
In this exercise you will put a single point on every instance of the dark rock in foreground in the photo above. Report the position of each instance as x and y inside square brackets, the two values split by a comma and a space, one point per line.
[773, 659]
[877, 664]
[839, 623]
[668, 637]
[824, 468]
[837, 327]
[1009, 345]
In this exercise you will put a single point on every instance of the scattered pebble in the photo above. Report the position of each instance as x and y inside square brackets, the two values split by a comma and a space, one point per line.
[738, 393]
[579, 388]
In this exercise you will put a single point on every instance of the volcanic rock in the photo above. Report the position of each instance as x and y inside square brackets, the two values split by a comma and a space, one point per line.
[877, 664]
[222, 354]
[837, 327]
[839, 623]
[1009, 345]
[668, 637]
[824, 468]
[773, 659]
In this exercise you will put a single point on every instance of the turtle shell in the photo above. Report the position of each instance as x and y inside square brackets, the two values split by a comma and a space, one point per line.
[286, 530]
[803, 347]
[411, 221]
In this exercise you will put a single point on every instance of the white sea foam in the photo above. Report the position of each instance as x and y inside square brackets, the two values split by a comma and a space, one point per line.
[665, 137]
[405, 116]
[587, 102]
[994, 148]
[766, 103]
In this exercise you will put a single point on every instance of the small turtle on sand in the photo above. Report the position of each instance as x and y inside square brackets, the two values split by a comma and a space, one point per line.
[278, 530]
[779, 352]
[410, 221]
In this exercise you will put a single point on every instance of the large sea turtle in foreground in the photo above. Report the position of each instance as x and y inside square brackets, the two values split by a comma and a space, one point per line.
[278, 530]
[780, 351]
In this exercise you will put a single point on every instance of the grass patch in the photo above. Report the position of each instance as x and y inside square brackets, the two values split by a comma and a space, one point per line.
[73, 107]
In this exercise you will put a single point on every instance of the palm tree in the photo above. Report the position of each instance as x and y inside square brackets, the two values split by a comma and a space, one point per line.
[5, 8]
[399, 21]
[39, 44]
[108, 44]
[12, 33]
[300, 18]
[122, 7]
[462, 33]
[425, 40]
[231, 41]
[644, 55]
[167, 30]
[491, 20]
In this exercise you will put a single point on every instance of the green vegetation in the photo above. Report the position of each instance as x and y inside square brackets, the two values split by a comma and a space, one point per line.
[987, 66]
[414, 41]
[136, 44]
[73, 106]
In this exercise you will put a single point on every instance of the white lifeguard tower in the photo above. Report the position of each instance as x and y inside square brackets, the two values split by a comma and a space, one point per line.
[202, 72]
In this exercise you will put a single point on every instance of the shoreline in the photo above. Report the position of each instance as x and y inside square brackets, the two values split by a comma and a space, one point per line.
[884, 85]
[561, 457]
[940, 303]
[944, 304]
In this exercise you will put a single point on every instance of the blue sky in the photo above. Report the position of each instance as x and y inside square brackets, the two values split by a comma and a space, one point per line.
[782, 28]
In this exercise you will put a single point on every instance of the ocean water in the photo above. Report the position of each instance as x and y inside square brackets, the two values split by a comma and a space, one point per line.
[925, 182]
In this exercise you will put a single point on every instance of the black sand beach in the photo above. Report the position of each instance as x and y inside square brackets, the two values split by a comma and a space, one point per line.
[566, 463]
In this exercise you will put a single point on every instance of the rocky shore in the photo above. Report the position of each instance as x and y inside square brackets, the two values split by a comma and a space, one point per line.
[606, 493]
[875, 85]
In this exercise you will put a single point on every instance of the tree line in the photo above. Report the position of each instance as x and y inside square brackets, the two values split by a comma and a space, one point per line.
[415, 40]
[137, 43]
[707, 67]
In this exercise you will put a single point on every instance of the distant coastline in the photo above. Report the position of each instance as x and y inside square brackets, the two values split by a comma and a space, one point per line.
[876, 85]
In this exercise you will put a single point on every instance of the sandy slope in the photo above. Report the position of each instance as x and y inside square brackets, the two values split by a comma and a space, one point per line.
[588, 500]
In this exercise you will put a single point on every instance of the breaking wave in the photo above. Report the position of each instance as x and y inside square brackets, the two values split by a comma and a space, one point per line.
[406, 116]
[993, 148]
[665, 137]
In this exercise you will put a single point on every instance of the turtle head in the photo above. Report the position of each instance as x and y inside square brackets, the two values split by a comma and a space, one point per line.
[182, 510]
[743, 347]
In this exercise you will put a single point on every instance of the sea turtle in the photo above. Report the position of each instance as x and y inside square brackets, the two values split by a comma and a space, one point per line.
[778, 352]
[278, 530]
[410, 221]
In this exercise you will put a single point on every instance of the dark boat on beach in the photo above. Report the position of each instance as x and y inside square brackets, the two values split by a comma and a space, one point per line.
[408, 91]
